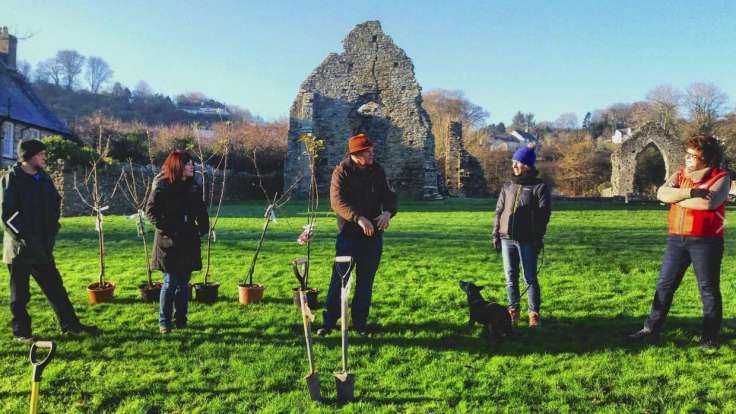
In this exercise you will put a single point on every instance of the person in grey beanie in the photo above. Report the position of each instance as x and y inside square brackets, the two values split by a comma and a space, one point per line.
[522, 213]
[31, 209]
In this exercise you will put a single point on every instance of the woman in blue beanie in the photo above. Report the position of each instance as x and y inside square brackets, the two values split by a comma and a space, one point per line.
[522, 213]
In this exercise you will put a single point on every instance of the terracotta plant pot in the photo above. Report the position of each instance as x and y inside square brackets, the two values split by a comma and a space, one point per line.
[150, 294]
[206, 293]
[312, 301]
[97, 294]
[248, 294]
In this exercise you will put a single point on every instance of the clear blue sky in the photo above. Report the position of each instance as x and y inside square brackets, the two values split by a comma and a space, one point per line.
[545, 57]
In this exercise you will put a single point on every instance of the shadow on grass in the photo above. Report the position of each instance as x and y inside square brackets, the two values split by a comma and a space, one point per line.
[557, 336]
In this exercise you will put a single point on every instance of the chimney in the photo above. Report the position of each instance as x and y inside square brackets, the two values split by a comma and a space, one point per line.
[8, 47]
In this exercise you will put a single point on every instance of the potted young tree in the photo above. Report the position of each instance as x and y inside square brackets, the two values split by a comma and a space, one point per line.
[94, 197]
[207, 291]
[250, 292]
[313, 147]
[136, 183]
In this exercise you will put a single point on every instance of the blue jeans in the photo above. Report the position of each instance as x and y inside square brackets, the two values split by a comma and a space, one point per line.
[174, 293]
[366, 252]
[705, 253]
[514, 253]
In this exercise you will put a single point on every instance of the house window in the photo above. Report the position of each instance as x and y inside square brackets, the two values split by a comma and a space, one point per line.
[8, 141]
[33, 134]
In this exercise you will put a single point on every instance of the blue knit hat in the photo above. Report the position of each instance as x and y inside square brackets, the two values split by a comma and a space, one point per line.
[525, 155]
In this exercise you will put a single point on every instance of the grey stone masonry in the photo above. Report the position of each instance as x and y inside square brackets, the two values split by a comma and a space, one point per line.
[369, 88]
[455, 160]
[623, 158]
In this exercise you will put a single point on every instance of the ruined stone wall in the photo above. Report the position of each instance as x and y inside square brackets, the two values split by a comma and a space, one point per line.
[454, 159]
[369, 88]
[623, 158]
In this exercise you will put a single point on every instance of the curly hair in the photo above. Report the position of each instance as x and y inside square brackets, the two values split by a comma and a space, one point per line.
[709, 146]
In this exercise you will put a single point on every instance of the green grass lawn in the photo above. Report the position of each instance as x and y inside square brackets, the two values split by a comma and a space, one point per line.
[597, 283]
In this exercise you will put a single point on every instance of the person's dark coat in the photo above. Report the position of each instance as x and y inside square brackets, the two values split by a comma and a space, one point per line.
[180, 217]
[31, 208]
[523, 209]
[356, 192]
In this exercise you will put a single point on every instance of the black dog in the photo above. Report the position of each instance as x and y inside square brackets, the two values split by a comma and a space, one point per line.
[494, 317]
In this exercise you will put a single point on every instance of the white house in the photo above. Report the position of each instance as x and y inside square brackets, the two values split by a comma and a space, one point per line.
[511, 142]
[621, 135]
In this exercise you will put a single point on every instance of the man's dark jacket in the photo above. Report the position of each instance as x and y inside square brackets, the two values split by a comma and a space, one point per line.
[31, 208]
[523, 209]
[180, 217]
[359, 191]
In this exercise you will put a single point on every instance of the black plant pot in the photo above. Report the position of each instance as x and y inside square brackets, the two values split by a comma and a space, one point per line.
[150, 294]
[312, 294]
[206, 293]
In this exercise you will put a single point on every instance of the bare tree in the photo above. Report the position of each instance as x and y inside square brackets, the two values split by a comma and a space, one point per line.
[705, 102]
[95, 197]
[566, 121]
[221, 167]
[98, 72]
[445, 106]
[274, 204]
[666, 101]
[142, 89]
[49, 71]
[191, 98]
[71, 63]
[25, 69]
[137, 183]
[455, 106]
[529, 121]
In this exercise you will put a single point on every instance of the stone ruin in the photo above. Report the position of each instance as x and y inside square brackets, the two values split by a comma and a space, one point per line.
[456, 160]
[370, 88]
[624, 158]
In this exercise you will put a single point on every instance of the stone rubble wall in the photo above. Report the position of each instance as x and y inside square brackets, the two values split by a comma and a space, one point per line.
[623, 158]
[369, 88]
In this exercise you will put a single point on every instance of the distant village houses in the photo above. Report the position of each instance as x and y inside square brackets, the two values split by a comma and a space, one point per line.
[212, 108]
[22, 113]
[511, 141]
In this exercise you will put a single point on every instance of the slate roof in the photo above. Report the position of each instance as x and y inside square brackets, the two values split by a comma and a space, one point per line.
[19, 102]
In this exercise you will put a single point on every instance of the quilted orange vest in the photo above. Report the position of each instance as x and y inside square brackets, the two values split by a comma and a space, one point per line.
[698, 223]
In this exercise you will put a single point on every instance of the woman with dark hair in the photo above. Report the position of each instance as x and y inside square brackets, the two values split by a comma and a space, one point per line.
[178, 212]
[697, 195]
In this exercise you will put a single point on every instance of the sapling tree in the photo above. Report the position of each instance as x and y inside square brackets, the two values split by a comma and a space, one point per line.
[313, 147]
[269, 216]
[94, 196]
[136, 183]
[221, 167]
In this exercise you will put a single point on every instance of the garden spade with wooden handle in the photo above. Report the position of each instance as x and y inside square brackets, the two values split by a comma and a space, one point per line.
[312, 378]
[344, 381]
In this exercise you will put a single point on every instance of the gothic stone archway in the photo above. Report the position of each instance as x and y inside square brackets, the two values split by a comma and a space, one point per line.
[623, 159]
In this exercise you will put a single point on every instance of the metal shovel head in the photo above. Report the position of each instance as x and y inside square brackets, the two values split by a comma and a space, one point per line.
[345, 384]
[313, 386]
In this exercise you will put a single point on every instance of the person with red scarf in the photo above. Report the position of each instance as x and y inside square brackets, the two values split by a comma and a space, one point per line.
[697, 195]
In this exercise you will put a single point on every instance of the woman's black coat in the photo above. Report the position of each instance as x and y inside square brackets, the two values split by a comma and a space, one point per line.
[180, 217]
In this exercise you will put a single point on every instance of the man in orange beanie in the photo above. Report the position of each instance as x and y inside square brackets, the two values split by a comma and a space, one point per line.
[364, 204]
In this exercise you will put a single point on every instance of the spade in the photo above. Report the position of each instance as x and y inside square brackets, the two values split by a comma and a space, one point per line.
[344, 381]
